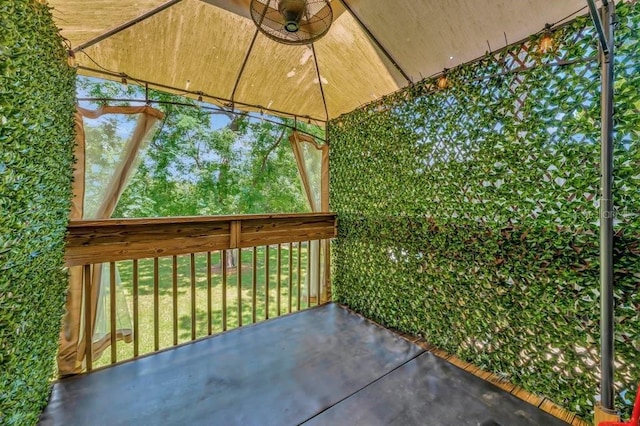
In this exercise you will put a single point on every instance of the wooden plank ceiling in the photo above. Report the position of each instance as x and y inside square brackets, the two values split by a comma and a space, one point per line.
[201, 46]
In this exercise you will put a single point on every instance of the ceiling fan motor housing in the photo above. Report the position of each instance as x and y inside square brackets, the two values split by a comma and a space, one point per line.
[292, 11]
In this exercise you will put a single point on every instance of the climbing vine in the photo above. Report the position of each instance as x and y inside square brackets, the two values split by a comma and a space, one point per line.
[468, 212]
[37, 97]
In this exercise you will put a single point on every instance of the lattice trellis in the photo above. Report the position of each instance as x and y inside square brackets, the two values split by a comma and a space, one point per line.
[468, 214]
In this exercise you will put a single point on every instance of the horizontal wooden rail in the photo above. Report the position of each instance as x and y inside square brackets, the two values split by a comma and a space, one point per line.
[110, 240]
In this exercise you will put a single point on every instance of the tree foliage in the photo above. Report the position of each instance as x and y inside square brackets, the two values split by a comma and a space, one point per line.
[201, 163]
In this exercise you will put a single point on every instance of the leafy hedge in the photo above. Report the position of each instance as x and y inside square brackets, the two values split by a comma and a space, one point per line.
[468, 212]
[37, 96]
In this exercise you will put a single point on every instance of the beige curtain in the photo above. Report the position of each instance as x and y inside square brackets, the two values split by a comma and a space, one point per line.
[313, 165]
[97, 198]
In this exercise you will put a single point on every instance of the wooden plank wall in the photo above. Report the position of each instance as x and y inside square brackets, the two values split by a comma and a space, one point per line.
[110, 240]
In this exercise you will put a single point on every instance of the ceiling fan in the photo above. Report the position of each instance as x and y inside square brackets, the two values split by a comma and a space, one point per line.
[292, 21]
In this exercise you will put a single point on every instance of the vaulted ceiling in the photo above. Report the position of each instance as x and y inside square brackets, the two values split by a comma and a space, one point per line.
[374, 47]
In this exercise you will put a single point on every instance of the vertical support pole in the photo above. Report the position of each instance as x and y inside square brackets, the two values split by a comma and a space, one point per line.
[606, 211]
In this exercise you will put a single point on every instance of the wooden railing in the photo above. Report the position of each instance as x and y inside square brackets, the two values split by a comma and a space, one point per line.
[177, 280]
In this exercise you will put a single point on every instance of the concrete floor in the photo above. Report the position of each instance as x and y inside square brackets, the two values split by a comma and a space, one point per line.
[322, 366]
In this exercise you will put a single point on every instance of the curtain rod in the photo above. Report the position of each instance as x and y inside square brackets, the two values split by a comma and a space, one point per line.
[226, 102]
[212, 109]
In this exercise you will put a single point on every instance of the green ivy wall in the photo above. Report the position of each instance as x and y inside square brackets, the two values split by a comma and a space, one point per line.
[37, 96]
[468, 214]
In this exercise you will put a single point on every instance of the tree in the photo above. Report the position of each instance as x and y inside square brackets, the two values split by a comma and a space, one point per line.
[200, 163]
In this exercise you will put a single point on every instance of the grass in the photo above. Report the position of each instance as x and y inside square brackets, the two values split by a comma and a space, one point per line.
[183, 317]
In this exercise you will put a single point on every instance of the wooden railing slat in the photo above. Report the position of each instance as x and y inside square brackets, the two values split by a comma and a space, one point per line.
[299, 274]
[102, 253]
[196, 219]
[81, 234]
[113, 240]
[309, 274]
[266, 283]
[239, 285]
[254, 284]
[112, 312]
[279, 280]
[284, 237]
[174, 289]
[88, 329]
[136, 321]
[223, 258]
[209, 298]
[193, 296]
[290, 273]
[156, 304]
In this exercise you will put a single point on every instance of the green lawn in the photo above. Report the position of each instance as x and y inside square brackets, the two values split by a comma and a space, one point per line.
[183, 315]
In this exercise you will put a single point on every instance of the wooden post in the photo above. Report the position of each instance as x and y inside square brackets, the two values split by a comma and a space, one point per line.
[603, 415]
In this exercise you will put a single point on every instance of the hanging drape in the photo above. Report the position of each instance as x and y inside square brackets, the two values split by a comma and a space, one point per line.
[106, 159]
[313, 166]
